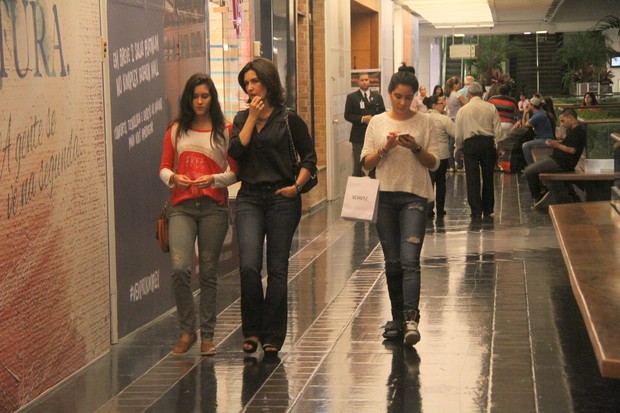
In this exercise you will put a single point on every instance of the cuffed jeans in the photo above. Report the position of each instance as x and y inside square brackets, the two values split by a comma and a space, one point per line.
[259, 213]
[204, 219]
[401, 224]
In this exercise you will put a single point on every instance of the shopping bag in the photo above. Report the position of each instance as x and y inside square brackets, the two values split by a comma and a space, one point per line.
[361, 199]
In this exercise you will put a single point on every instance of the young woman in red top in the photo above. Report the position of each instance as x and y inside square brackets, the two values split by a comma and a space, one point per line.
[195, 165]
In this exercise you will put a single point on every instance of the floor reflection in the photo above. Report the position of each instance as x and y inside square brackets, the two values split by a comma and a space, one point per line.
[501, 331]
[403, 385]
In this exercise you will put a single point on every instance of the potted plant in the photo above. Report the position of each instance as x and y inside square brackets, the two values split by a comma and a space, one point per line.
[585, 56]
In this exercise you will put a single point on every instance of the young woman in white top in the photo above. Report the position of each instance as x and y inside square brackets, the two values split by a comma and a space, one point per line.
[402, 146]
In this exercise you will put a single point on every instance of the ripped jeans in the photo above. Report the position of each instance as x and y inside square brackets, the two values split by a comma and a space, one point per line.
[206, 221]
[401, 224]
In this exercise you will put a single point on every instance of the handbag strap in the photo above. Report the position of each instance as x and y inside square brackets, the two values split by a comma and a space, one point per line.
[291, 143]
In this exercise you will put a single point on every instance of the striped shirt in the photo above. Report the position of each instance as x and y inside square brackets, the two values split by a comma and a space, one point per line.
[506, 106]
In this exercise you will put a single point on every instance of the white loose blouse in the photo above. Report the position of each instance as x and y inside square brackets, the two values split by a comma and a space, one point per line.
[400, 170]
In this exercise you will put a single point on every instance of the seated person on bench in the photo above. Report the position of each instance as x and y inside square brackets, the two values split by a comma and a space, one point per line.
[541, 123]
[564, 158]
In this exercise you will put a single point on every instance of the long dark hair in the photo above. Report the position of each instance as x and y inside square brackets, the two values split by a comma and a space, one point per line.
[267, 73]
[593, 102]
[186, 108]
[406, 77]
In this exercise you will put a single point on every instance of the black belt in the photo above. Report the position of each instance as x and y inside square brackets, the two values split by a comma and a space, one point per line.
[264, 187]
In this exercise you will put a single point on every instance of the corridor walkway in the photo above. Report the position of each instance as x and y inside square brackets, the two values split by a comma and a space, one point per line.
[501, 331]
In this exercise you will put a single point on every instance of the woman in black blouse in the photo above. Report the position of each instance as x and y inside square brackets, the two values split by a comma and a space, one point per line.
[268, 204]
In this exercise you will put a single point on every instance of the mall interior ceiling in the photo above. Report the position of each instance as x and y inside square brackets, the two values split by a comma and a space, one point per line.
[519, 16]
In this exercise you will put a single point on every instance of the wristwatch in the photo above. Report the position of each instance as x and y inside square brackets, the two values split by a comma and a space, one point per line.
[418, 149]
[298, 187]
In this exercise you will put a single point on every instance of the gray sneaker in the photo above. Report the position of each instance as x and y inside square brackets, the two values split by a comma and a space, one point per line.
[392, 330]
[412, 335]
[542, 201]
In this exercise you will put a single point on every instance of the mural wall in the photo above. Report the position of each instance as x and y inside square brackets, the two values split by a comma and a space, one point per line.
[73, 252]
[54, 274]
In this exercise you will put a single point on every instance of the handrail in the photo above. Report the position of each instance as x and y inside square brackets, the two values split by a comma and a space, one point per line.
[579, 106]
[597, 121]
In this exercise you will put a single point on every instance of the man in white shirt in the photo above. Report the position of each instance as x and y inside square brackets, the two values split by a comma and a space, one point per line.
[444, 129]
[478, 130]
[418, 104]
[468, 81]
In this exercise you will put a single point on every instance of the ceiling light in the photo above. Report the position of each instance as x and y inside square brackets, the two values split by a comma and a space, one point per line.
[541, 32]
[453, 13]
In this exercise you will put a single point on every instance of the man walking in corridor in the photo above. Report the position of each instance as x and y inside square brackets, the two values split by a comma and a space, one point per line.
[478, 131]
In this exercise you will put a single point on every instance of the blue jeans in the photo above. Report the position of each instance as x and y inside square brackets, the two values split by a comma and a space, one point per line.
[401, 224]
[529, 145]
[260, 214]
[204, 219]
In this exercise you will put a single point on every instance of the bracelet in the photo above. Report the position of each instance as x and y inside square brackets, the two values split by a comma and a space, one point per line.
[298, 187]
[382, 152]
[417, 150]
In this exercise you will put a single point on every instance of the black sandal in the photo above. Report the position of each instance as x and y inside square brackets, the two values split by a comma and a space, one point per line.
[250, 345]
[270, 350]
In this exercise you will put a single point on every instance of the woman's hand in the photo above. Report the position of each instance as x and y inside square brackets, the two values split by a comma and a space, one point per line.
[407, 141]
[256, 107]
[391, 141]
[205, 181]
[181, 181]
[288, 191]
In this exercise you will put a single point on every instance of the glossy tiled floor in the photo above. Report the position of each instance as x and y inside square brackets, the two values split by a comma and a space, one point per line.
[501, 331]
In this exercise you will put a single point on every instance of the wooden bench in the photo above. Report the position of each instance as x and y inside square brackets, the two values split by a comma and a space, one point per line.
[589, 237]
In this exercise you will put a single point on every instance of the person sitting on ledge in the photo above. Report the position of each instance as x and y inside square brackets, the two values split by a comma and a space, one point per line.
[564, 158]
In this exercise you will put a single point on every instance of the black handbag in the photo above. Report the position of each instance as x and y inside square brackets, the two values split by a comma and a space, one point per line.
[314, 180]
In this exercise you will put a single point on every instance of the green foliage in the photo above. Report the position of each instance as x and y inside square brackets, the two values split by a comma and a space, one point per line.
[585, 55]
[587, 114]
[607, 23]
[598, 143]
[495, 50]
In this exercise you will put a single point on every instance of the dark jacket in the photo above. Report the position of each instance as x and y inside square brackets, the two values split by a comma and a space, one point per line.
[267, 158]
[353, 112]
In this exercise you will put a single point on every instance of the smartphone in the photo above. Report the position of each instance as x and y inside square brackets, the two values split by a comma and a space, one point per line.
[403, 137]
